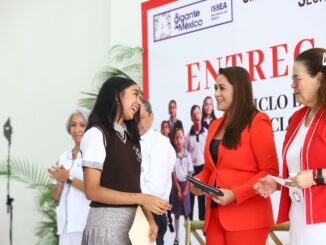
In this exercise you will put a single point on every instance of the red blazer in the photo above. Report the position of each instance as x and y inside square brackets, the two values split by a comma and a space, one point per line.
[313, 155]
[239, 170]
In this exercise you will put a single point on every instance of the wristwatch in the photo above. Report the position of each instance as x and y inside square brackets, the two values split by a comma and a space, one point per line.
[318, 176]
[69, 179]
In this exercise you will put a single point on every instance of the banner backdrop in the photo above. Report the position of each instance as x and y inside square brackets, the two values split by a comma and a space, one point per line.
[185, 43]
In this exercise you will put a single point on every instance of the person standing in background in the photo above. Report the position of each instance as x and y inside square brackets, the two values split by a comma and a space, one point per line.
[304, 154]
[239, 150]
[158, 159]
[73, 205]
[165, 130]
[180, 194]
[195, 143]
[208, 112]
[173, 120]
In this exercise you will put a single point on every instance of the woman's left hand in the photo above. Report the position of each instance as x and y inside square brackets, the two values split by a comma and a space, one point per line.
[303, 180]
[153, 229]
[224, 200]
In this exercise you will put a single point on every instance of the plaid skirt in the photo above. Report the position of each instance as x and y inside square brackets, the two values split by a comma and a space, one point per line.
[108, 226]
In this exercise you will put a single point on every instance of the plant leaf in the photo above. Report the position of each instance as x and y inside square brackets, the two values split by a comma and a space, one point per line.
[120, 54]
[34, 176]
[123, 61]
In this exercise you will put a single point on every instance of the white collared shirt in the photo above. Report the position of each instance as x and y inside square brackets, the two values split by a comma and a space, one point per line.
[93, 146]
[158, 159]
[183, 166]
[73, 206]
[195, 144]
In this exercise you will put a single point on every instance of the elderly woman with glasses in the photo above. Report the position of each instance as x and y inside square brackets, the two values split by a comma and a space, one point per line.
[304, 154]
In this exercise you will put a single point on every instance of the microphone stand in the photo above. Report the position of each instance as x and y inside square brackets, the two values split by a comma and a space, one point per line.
[7, 130]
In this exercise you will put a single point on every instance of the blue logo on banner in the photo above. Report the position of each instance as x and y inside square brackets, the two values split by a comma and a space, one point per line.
[192, 17]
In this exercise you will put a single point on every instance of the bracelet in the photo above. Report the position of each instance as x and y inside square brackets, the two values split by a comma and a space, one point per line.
[318, 176]
[69, 179]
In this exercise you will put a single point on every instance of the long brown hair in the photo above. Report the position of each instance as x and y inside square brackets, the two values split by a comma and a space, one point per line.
[312, 59]
[106, 107]
[242, 109]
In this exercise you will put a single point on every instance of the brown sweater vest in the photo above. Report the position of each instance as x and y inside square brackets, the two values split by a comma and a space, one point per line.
[121, 169]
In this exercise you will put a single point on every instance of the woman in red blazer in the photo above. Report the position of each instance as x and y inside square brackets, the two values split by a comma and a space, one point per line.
[239, 151]
[304, 154]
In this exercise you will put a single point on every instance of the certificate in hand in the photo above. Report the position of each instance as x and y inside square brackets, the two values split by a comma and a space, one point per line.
[281, 181]
[204, 187]
[139, 230]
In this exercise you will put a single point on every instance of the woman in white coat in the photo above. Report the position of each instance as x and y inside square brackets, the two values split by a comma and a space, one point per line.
[68, 189]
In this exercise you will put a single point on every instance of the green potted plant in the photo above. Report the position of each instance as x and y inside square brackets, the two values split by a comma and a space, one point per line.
[36, 177]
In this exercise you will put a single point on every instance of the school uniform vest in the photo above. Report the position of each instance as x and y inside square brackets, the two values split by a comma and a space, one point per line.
[122, 166]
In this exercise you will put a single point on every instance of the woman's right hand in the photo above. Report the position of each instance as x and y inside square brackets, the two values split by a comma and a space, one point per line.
[60, 174]
[194, 190]
[265, 186]
[154, 204]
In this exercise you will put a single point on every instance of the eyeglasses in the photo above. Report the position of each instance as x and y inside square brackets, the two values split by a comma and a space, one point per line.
[296, 78]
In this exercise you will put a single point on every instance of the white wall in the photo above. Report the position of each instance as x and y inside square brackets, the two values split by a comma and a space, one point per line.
[125, 22]
[49, 53]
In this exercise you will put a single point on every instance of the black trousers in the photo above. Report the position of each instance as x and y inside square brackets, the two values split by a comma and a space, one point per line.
[201, 199]
[161, 222]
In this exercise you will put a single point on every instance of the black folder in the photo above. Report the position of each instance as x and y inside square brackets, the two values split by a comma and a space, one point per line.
[204, 187]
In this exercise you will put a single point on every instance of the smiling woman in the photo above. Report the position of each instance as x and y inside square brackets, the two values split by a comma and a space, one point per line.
[111, 161]
[239, 150]
[69, 186]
